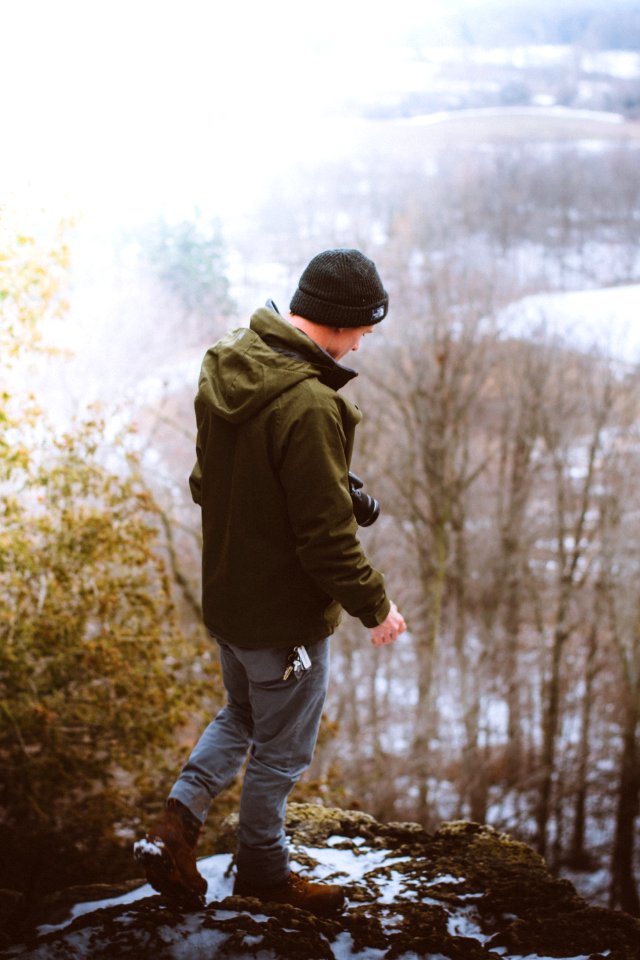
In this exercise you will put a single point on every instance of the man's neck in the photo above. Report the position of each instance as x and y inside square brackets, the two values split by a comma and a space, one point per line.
[315, 331]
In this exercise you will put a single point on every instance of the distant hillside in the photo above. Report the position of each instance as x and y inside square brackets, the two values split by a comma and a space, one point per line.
[591, 23]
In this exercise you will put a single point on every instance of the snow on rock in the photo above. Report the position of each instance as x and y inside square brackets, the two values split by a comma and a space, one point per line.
[463, 893]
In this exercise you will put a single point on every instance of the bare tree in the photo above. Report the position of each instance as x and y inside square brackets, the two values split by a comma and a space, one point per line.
[578, 407]
[429, 388]
[524, 375]
[619, 575]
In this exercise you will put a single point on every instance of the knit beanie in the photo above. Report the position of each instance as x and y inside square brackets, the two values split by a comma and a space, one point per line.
[341, 288]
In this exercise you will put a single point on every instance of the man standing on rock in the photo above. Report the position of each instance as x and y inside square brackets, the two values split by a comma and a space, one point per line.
[280, 560]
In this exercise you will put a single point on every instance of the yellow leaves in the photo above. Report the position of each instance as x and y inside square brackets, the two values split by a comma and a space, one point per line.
[146, 501]
[33, 274]
[88, 641]
[11, 508]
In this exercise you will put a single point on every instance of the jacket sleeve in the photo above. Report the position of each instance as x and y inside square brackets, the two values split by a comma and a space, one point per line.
[314, 475]
[195, 483]
[195, 478]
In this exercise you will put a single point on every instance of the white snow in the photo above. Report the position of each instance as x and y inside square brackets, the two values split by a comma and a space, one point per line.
[465, 923]
[445, 878]
[622, 64]
[606, 318]
[538, 956]
[194, 942]
[145, 846]
[336, 863]
[343, 950]
[213, 869]
[479, 113]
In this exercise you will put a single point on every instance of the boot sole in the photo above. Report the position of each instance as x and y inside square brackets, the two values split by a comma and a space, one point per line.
[162, 873]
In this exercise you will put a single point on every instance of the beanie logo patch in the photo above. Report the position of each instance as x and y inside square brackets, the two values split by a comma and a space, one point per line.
[378, 312]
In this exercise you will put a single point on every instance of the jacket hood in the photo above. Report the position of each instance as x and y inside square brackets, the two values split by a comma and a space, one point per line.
[249, 367]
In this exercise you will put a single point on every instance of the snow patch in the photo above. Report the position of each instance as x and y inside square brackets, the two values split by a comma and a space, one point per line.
[146, 847]
[480, 113]
[194, 942]
[605, 318]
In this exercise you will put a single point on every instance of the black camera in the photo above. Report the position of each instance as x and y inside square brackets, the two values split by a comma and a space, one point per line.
[366, 509]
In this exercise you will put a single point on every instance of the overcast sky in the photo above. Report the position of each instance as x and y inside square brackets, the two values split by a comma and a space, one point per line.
[122, 105]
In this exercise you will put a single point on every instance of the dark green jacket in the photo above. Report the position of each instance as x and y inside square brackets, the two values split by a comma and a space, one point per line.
[280, 554]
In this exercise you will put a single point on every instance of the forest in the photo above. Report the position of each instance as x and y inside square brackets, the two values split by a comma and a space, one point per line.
[505, 466]
[504, 456]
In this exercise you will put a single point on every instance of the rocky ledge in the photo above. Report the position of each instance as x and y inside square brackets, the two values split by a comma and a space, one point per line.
[466, 892]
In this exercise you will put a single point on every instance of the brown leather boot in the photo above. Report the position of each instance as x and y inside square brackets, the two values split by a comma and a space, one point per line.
[323, 899]
[168, 856]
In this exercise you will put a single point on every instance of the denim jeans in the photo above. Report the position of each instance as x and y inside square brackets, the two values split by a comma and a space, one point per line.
[277, 721]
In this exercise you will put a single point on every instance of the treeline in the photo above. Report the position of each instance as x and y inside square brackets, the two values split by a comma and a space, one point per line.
[507, 469]
[536, 216]
[584, 23]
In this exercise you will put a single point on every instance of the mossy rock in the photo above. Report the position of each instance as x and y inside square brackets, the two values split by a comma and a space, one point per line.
[464, 893]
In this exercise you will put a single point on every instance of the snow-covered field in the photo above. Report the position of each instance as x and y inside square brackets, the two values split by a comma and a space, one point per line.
[606, 319]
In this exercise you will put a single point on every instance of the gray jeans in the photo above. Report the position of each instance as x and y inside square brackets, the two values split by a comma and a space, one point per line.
[278, 721]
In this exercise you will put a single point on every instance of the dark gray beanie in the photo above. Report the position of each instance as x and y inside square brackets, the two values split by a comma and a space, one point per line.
[341, 288]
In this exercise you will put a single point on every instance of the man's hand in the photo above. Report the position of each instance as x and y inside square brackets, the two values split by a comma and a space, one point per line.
[389, 630]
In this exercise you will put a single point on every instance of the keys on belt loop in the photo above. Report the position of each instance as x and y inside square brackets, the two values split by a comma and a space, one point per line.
[298, 661]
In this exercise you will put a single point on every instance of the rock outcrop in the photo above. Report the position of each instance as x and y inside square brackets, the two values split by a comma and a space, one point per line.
[466, 892]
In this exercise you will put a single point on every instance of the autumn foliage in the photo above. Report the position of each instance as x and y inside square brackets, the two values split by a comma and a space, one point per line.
[91, 660]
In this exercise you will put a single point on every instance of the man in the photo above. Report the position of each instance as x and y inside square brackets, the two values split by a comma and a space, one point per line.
[280, 560]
